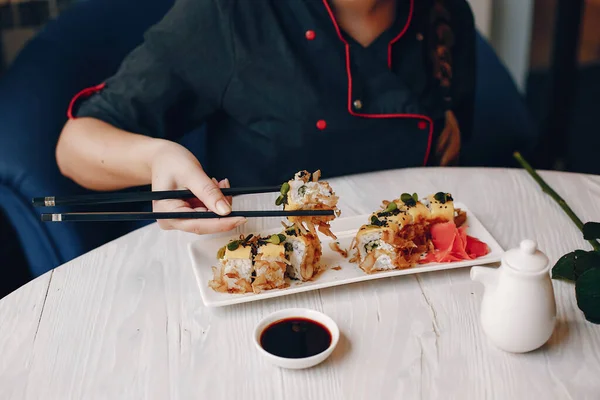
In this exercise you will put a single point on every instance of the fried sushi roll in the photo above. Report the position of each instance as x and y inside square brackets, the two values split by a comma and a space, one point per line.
[270, 264]
[235, 270]
[393, 215]
[304, 252]
[416, 232]
[441, 207]
[374, 248]
[399, 234]
[306, 192]
[410, 204]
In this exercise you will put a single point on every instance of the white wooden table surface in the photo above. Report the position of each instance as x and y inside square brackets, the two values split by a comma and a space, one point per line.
[126, 321]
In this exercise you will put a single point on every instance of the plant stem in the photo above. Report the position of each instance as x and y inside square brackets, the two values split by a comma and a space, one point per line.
[547, 189]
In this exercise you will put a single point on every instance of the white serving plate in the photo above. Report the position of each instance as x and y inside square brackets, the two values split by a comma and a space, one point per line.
[203, 254]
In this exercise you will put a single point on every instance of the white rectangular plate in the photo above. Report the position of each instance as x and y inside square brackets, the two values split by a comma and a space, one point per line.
[204, 255]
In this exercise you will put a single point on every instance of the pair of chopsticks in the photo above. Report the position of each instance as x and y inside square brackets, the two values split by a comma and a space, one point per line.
[135, 197]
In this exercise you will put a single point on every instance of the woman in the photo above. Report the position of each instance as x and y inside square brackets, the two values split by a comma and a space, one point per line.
[345, 86]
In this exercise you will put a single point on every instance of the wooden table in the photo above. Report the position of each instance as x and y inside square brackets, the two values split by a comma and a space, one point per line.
[126, 321]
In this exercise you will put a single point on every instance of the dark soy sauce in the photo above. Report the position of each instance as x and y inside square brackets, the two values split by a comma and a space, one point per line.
[295, 338]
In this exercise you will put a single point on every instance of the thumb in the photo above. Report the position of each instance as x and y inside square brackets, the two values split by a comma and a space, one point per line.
[208, 192]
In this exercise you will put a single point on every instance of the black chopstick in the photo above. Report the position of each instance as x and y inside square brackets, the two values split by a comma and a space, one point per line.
[133, 197]
[140, 216]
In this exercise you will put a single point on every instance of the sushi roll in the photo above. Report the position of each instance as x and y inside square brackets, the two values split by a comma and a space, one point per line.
[306, 192]
[414, 208]
[441, 207]
[399, 234]
[304, 252]
[375, 249]
[391, 214]
[251, 264]
[235, 270]
[270, 263]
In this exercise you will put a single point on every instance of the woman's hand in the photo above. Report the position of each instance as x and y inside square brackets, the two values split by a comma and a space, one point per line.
[174, 167]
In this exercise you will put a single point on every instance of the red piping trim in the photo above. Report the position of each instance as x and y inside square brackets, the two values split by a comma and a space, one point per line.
[85, 92]
[349, 75]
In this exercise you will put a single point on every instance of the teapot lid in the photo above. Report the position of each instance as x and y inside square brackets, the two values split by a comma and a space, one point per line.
[526, 257]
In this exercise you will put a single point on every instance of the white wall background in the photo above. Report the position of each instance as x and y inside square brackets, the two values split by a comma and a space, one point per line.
[483, 15]
[507, 24]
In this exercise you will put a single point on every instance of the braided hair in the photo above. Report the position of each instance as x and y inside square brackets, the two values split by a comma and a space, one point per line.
[441, 43]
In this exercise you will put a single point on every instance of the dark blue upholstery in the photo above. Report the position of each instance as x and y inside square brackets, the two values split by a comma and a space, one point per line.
[502, 121]
[82, 48]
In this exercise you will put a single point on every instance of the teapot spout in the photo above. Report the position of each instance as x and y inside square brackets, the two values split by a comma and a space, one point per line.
[485, 275]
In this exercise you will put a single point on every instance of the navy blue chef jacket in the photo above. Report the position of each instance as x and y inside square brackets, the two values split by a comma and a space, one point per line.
[281, 87]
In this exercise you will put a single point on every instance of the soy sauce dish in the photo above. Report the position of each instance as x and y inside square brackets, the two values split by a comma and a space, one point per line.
[296, 338]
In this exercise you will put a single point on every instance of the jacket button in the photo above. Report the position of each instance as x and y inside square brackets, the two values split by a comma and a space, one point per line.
[419, 37]
[310, 35]
[321, 124]
[422, 124]
[357, 104]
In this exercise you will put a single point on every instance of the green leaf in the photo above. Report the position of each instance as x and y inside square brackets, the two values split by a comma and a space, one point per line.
[584, 261]
[408, 199]
[574, 264]
[440, 196]
[275, 239]
[232, 246]
[405, 197]
[415, 197]
[591, 230]
[587, 292]
[391, 207]
[565, 267]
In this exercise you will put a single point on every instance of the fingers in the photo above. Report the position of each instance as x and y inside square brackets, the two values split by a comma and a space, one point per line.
[202, 226]
[207, 226]
[225, 184]
[198, 226]
[222, 185]
[205, 189]
[196, 203]
[169, 205]
[208, 199]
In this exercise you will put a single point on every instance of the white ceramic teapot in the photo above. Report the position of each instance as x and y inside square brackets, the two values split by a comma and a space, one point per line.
[518, 311]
